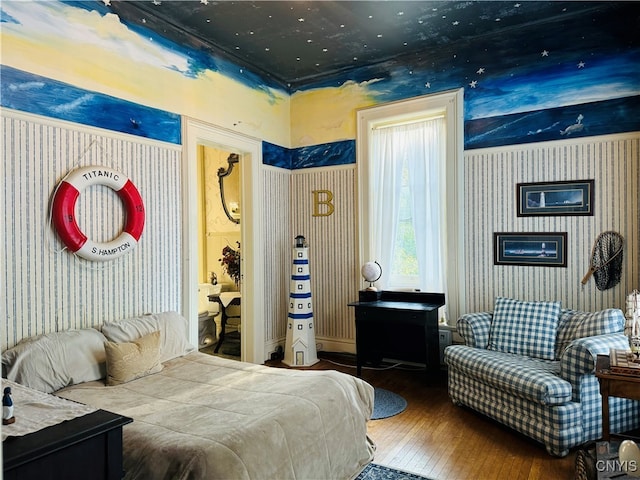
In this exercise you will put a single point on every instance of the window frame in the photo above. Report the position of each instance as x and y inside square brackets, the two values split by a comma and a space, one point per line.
[449, 104]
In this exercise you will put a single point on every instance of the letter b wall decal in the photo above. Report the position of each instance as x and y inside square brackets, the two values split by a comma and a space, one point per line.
[322, 203]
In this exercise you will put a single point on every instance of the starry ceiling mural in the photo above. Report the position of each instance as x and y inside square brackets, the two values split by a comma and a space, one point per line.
[297, 43]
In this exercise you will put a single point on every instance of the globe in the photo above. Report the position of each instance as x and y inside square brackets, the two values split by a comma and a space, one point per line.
[371, 271]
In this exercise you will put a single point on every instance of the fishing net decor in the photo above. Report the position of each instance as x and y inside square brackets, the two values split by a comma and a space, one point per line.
[606, 260]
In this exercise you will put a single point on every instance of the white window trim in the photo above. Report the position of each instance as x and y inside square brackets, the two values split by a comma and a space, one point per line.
[450, 104]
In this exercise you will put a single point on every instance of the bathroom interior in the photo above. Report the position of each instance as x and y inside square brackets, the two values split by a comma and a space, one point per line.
[219, 174]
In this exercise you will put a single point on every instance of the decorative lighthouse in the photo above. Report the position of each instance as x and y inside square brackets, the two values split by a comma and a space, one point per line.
[300, 346]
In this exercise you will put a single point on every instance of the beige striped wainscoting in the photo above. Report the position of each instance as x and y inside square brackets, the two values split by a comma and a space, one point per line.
[491, 176]
[330, 228]
[278, 242]
[47, 288]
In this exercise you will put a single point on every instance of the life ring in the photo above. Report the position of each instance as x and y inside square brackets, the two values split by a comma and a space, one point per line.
[64, 219]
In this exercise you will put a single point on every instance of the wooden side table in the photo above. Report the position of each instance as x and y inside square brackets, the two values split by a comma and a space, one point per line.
[84, 447]
[614, 385]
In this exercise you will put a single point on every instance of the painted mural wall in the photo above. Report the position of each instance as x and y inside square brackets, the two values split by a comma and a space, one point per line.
[83, 45]
[561, 82]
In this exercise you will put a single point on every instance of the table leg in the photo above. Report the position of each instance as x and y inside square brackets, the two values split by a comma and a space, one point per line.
[604, 391]
[223, 326]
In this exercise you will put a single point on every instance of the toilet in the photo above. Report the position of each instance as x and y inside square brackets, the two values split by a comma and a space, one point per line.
[207, 311]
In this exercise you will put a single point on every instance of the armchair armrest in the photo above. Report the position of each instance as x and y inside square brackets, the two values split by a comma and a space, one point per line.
[579, 358]
[474, 328]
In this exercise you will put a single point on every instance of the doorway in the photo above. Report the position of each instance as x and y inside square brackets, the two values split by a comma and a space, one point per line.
[220, 252]
[200, 137]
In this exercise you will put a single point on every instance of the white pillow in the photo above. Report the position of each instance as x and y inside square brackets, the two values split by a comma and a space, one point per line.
[172, 327]
[56, 360]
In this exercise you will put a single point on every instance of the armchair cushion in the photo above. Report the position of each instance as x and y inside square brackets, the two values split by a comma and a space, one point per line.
[524, 328]
[524, 377]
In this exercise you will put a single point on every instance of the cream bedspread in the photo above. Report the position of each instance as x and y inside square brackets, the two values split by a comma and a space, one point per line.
[208, 417]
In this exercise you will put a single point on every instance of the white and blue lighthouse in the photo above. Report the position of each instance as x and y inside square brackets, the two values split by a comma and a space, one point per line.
[300, 346]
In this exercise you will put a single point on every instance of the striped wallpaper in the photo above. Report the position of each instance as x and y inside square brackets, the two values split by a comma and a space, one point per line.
[491, 176]
[333, 255]
[45, 287]
[278, 238]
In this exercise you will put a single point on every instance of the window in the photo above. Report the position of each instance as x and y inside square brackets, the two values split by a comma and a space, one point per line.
[409, 174]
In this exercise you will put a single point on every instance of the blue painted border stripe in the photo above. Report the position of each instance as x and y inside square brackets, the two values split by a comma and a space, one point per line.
[31, 93]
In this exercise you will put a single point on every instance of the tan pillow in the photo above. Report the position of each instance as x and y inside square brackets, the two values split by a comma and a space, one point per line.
[172, 327]
[128, 361]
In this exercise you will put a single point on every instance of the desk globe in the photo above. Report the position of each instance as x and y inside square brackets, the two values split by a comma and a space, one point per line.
[371, 271]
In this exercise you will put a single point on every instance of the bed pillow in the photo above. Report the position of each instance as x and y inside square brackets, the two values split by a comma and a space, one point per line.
[130, 360]
[56, 360]
[524, 328]
[171, 325]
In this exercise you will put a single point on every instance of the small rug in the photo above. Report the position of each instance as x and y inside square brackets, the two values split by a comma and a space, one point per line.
[380, 472]
[387, 404]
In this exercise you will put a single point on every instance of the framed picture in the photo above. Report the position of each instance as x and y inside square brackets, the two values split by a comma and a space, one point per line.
[536, 249]
[555, 198]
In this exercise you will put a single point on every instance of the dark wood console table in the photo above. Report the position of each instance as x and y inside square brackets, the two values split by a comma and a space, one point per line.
[85, 447]
[401, 326]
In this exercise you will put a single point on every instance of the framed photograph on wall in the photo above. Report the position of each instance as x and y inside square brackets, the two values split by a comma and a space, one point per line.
[533, 249]
[555, 198]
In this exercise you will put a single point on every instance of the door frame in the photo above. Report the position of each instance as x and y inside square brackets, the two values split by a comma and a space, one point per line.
[197, 133]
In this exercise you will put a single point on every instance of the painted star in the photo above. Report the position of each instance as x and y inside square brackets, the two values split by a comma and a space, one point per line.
[480, 71]
[204, 2]
[157, 2]
[455, 23]
[107, 3]
[473, 83]
[581, 64]
[545, 53]
[427, 85]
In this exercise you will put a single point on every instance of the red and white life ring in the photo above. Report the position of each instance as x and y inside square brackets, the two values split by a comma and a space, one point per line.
[64, 219]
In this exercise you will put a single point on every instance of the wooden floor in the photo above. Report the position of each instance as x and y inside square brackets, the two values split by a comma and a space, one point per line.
[439, 440]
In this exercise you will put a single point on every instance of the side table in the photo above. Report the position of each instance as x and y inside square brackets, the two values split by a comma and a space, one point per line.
[614, 385]
[84, 447]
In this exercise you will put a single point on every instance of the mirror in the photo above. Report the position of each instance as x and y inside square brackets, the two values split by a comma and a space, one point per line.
[229, 180]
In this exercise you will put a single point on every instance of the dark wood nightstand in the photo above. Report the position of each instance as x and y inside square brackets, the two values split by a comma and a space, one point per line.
[85, 447]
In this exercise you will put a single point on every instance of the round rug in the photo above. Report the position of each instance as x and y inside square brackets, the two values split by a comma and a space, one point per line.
[387, 404]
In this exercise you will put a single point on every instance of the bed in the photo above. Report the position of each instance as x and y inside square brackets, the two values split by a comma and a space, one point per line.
[199, 416]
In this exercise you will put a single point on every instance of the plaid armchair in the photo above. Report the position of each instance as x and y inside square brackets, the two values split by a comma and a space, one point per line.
[538, 377]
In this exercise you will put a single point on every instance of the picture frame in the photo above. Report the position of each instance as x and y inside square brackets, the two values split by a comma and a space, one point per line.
[573, 197]
[532, 249]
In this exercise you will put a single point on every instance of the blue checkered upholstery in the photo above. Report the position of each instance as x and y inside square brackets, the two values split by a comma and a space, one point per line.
[524, 328]
[556, 402]
[573, 324]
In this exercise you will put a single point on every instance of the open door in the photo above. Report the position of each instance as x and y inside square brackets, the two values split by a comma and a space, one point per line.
[197, 134]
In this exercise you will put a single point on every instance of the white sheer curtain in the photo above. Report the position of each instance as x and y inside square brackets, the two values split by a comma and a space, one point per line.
[418, 147]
